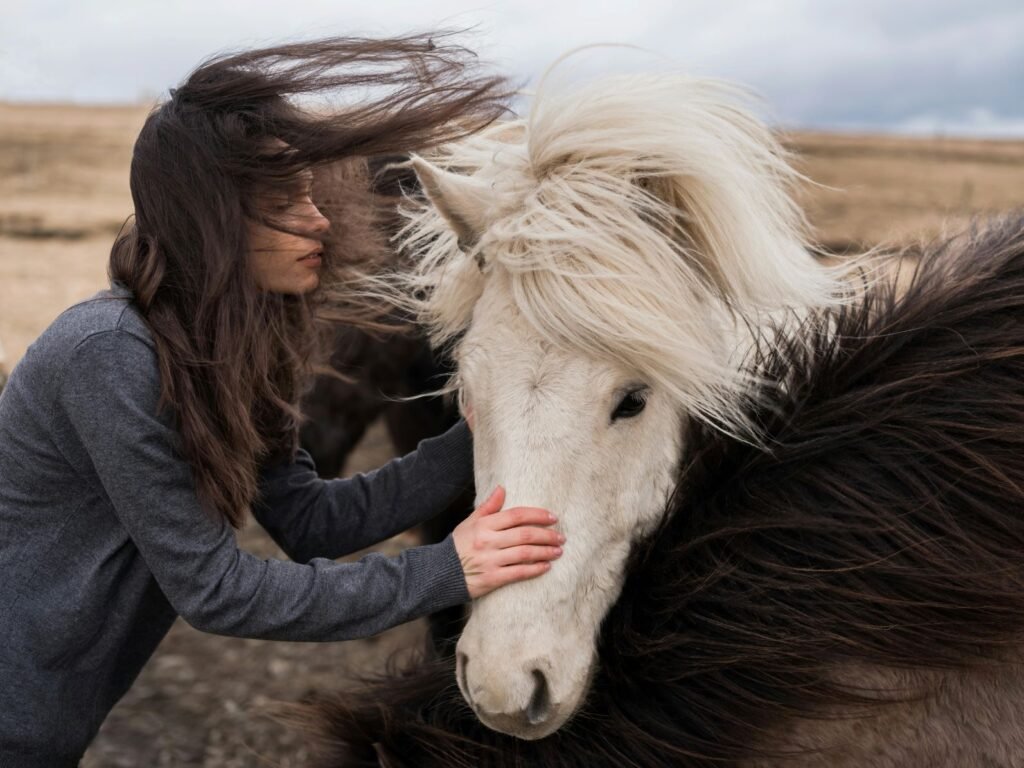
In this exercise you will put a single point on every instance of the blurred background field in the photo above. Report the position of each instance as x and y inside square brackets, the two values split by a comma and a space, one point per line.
[63, 197]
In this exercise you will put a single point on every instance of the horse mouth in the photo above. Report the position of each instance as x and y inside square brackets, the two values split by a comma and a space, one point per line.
[531, 718]
[520, 725]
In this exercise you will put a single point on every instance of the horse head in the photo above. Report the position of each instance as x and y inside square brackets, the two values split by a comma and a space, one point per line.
[599, 270]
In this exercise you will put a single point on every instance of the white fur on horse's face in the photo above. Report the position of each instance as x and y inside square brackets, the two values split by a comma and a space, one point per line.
[544, 430]
[646, 224]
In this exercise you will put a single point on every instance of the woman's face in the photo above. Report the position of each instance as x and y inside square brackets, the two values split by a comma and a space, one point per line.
[283, 262]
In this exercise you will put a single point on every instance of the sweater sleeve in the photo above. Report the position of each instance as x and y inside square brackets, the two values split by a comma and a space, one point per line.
[311, 517]
[110, 392]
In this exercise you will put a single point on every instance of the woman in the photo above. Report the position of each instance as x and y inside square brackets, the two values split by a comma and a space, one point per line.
[144, 424]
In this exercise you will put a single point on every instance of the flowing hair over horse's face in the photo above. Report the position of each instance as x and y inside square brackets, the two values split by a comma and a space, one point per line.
[601, 269]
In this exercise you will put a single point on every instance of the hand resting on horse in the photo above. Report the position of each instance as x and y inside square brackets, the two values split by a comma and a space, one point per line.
[497, 547]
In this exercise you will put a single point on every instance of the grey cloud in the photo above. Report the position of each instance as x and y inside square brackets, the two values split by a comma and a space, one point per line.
[894, 65]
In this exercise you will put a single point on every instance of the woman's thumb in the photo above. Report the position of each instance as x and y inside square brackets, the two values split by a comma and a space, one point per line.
[492, 503]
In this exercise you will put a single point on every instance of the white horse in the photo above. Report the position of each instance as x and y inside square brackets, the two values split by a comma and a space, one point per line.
[601, 269]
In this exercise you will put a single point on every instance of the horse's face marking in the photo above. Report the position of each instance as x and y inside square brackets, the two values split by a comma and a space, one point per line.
[552, 427]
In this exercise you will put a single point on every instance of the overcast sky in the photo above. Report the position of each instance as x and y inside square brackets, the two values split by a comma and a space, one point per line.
[921, 66]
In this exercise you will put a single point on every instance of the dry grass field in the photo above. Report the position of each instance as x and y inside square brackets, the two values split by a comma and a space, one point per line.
[888, 189]
[63, 196]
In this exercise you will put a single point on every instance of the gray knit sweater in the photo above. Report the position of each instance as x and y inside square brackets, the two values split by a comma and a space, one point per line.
[103, 542]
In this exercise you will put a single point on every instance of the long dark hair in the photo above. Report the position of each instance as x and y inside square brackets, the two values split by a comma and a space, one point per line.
[882, 530]
[234, 359]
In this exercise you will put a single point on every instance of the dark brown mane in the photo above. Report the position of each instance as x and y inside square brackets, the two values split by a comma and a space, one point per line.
[885, 528]
[234, 358]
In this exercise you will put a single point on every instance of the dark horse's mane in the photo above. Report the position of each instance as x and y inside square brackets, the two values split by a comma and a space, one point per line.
[381, 367]
[884, 526]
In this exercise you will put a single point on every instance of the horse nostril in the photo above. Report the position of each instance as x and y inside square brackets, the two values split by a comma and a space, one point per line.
[461, 663]
[539, 708]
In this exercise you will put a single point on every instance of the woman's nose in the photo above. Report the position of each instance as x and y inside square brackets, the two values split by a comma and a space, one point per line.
[319, 224]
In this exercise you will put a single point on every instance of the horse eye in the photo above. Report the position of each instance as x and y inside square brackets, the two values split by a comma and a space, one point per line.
[631, 404]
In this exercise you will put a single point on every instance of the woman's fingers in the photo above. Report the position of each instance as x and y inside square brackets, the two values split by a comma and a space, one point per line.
[524, 535]
[513, 517]
[526, 554]
[498, 547]
[499, 567]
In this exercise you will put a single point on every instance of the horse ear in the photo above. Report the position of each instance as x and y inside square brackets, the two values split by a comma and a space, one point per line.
[462, 201]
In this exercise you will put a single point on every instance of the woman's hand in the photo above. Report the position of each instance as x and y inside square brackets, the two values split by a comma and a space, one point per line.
[497, 547]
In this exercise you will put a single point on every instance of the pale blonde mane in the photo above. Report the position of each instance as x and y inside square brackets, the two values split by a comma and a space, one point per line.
[644, 219]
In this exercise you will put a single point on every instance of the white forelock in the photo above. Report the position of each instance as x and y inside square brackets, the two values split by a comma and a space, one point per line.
[645, 219]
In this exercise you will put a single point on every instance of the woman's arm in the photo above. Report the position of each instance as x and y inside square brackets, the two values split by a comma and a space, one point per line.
[110, 391]
[311, 517]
